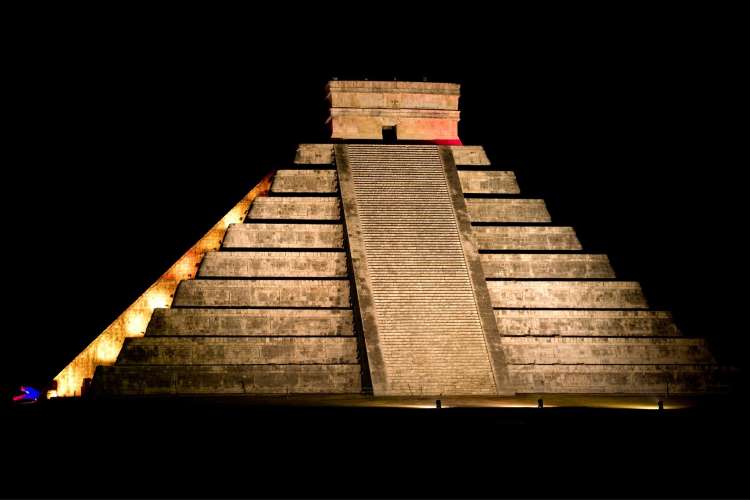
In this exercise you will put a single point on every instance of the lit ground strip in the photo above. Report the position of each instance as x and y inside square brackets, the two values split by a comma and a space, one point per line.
[524, 401]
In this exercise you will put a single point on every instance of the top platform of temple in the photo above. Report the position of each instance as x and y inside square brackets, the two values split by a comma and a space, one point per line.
[362, 109]
[393, 86]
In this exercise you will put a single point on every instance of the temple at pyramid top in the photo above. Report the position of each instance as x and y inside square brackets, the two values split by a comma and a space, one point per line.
[390, 111]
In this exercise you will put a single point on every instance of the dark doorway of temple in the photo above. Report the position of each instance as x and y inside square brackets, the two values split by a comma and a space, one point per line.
[389, 135]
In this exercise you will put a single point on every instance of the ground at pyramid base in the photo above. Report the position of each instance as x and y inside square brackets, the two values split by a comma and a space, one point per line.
[376, 273]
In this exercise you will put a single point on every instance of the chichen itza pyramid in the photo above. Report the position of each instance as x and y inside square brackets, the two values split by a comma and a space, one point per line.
[408, 267]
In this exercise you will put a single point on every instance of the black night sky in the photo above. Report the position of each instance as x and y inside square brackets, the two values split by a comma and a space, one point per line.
[126, 144]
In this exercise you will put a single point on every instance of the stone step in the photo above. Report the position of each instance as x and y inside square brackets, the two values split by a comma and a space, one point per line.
[488, 182]
[505, 210]
[245, 236]
[273, 264]
[262, 293]
[602, 351]
[546, 266]
[566, 294]
[238, 350]
[295, 207]
[469, 155]
[585, 323]
[314, 154]
[618, 379]
[133, 380]
[247, 322]
[526, 238]
[305, 181]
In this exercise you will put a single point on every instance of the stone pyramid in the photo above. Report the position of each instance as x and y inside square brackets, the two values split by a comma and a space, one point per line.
[406, 269]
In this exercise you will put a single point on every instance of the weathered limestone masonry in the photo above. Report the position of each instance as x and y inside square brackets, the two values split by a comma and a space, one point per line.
[405, 270]
[418, 297]
[270, 313]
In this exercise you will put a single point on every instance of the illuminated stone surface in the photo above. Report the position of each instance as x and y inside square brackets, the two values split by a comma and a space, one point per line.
[618, 379]
[366, 271]
[546, 266]
[289, 207]
[312, 236]
[469, 155]
[602, 351]
[522, 238]
[271, 264]
[262, 322]
[585, 323]
[314, 154]
[567, 294]
[262, 293]
[239, 351]
[395, 95]
[135, 380]
[419, 111]
[490, 182]
[507, 210]
[304, 181]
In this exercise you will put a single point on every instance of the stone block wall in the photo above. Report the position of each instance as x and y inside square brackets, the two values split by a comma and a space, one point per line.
[276, 236]
[526, 238]
[304, 181]
[574, 266]
[294, 207]
[488, 182]
[271, 264]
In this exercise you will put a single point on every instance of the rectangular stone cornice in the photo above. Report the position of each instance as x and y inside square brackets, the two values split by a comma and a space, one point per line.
[397, 113]
[393, 86]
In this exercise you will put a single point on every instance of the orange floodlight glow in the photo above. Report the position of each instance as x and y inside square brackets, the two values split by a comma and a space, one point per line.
[103, 350]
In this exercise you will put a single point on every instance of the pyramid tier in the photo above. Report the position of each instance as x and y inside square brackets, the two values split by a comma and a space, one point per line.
[550, 322]
[525, 238]
[273, 264]
[314, 154]
[566, 294]
[488, 182]
[305, 181]
[546, 266]
[262, 293]
[469, 155]
[295, 208]
[136, 380]
[507, 210]
[308, 236]
[238, 350]
[618, 379]
[603, 351]
[250, 322]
